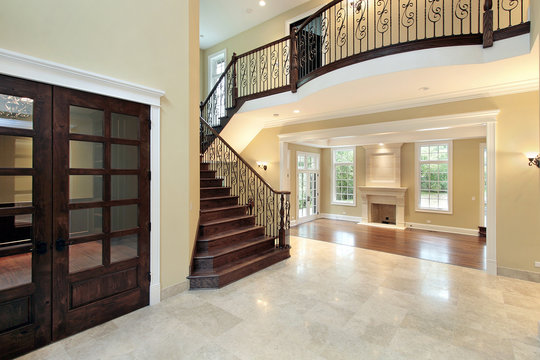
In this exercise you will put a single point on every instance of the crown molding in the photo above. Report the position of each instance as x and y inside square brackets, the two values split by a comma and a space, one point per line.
[31, 68]
[516, 87]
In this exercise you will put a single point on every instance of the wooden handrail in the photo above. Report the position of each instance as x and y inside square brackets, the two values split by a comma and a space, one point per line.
[247, 53]
[242, 159]
[317, 13]
[233, 61]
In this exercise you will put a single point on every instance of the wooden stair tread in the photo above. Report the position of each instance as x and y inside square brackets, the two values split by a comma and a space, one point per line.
[216, 187]
[236, 265]
[232, 232]
[207, 211]
[219, 197]
[231, 248]
[226, 220]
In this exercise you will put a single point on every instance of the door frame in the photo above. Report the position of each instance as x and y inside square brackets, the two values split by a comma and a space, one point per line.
[31, 68]
[318, 173]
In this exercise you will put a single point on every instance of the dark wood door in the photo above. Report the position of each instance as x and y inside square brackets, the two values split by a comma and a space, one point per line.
[25, 216]
[101, 220]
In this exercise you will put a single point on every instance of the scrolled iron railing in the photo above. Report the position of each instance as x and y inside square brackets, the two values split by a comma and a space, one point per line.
[271, 208]
[345, 32]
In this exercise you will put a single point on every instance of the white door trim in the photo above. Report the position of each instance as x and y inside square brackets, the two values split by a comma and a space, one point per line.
[491, 235]
[31, 68]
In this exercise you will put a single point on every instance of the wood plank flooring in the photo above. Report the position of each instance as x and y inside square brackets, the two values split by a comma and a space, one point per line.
[462, 250]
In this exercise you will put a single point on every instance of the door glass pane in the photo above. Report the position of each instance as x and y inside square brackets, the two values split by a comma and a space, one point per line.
[123, 248]
[85, 222]
[15, 152]
[15, 240]
[85, 256]
[85, 188]
[124, 187]
[15, 191]
[124, 156]
[85, 155]
[124, 126]
[85, 121]
[16, 112]
[124, 217]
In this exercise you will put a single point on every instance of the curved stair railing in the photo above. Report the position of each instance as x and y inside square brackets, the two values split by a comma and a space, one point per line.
[271, 208]
[345, 32]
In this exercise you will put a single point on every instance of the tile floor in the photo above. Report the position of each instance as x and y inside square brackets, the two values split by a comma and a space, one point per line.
[329, 302]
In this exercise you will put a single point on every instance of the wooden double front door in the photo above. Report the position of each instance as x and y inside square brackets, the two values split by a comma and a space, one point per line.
[74, 212]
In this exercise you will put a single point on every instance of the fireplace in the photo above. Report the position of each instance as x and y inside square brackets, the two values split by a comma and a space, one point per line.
[383, 214]
[383, 199]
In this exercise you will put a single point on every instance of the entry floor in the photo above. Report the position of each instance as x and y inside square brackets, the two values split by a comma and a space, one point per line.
[462, 250]
[333, 302]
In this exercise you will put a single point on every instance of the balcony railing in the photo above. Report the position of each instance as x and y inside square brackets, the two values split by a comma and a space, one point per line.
[345, 32]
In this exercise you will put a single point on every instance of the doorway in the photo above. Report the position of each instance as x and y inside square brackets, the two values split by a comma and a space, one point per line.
[308, 187]
[74, 212]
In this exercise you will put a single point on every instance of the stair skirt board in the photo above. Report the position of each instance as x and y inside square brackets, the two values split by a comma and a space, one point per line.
[230, 246]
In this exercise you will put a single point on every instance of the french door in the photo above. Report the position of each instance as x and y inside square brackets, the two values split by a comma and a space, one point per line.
[307, 186]
[74, 212]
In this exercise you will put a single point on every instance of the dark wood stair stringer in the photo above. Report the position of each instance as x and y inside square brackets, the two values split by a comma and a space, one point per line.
[229, 244]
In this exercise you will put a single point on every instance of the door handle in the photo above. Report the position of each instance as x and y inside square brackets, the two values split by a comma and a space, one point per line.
[60, 244]
[41, 248]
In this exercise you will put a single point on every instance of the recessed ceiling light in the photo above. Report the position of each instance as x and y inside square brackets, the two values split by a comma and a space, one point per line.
[276, 115]
[424, 88]
[296, 111]
[381, 144]
[249, 10]
[262, 3]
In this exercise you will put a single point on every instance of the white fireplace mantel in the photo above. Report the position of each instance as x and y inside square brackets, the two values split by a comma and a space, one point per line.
[384, 195]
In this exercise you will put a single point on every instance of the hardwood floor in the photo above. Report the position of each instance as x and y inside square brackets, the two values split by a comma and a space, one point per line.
[462, 250]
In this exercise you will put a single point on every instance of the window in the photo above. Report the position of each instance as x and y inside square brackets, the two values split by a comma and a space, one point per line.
[343, 177]
[434, 177]
[216, 67]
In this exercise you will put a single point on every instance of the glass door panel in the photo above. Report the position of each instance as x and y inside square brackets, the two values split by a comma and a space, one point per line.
[25, 215]
[308, 185]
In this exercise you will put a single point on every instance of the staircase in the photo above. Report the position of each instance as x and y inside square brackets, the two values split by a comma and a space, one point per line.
[230, 245]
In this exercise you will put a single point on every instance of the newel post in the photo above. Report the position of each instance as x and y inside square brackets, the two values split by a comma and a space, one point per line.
[294, 61]
[488, 23]
[282, 231]
[235, 86]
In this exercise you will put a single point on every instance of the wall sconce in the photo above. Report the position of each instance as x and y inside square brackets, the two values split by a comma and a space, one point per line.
[262, 164]
[534, 159]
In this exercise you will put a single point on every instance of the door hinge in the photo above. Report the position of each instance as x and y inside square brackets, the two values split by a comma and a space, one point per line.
[149, 124]
[149, 176]
[149, 226]
[149, 276]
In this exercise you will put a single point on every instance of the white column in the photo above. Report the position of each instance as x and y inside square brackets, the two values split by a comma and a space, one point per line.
[155, 285]
[491, 236]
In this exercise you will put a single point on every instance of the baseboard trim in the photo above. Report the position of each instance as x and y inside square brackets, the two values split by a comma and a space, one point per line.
[356, 219]
[518, 274]
[439, 228]
[174, 290]
[155, 294]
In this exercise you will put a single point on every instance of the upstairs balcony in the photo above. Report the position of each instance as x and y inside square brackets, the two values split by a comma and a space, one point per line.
[348, 32]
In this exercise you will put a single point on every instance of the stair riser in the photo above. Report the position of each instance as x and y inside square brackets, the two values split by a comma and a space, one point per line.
[208, 174]
[222, 214]
[207, 230]
[208, 193]
[202, 264]
[228, 240]
[204, 283]
[211, 183]
[205, 166]
[211, 204]
[242, 273]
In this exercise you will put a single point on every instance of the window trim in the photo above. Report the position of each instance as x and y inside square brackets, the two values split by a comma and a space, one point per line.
[211, 57]
[417, 185]
[333, 200]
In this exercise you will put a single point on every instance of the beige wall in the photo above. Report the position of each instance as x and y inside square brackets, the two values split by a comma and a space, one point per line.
[154, 44]
[466, 185]
[518, 185]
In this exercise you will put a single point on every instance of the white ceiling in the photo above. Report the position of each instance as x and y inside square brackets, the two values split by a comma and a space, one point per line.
[222, 19]
[377, 86]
